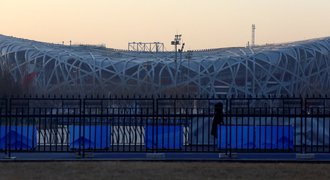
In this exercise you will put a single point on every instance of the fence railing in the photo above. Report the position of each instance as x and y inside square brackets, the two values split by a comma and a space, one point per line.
[165, 124]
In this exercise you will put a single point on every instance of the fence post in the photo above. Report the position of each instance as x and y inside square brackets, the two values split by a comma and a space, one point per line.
[7, 147]
[304, 118]
[7, 131]
[155, 124]
[6, 126]
[82, 119]
[230, 118]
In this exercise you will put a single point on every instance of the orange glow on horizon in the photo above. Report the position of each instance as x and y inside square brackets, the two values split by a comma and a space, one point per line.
[204, 24]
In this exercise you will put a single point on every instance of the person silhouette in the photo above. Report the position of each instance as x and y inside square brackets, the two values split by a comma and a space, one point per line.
[217, 119]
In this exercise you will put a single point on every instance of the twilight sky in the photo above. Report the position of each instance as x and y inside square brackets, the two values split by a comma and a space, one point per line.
[203, 23]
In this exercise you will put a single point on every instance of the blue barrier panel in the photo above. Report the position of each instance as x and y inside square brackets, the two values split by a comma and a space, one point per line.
[255, 137]
[274, 137]
[18, 137]
[164, 137]
[90, 137]
[242, 137]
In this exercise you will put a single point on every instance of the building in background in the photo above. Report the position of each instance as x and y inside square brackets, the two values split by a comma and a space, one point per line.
[285, 69]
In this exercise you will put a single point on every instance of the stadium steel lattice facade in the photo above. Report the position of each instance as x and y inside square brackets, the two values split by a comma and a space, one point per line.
[293, 68]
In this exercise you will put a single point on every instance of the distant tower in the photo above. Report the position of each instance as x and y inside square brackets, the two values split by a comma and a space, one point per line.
[253, 35]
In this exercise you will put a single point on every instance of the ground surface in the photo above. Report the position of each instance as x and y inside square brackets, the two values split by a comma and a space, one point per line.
[161, 170]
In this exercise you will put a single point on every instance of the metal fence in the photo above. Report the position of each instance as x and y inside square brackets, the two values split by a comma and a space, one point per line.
[165, 124]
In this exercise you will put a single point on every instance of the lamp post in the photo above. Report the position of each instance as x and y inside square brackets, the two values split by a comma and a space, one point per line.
[175, 43]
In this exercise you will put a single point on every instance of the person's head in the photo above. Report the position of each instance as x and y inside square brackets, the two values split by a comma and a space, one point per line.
[218, 107]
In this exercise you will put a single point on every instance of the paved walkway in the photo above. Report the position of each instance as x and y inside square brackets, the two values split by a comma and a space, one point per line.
[249, 157]
[161, 170]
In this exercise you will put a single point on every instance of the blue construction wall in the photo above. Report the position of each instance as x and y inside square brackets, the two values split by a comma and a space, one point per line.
[90, 137]
[256, 137]
[164, 137]
[18, 137]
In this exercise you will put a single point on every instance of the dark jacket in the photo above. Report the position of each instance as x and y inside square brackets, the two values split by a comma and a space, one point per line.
[217, 119]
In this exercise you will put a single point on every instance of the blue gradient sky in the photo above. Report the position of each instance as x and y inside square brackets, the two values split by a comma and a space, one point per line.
[203, 23]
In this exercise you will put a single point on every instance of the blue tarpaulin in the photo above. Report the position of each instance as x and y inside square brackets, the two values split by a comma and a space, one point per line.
[255, 137]
[164, 137]
[90, 137]
[18, 137]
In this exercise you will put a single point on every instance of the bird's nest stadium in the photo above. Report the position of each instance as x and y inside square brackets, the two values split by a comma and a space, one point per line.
[297, 68]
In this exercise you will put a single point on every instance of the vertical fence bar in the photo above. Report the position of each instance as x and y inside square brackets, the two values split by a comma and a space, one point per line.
[327, 116]
[124, 116]
[209, 123]
[8, 146]
[7, 119]
[170, 124]
[169, 115]
[254, 128]
[82, 126]
[129, 126]
[317, 128]
[324, 126]
[230, 133]
[110, 123]
[323, 130]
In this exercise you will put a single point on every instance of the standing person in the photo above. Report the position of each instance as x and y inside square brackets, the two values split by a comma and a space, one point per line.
[217, 119]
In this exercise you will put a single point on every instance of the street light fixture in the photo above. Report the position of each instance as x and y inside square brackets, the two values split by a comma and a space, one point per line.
[175, 43]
